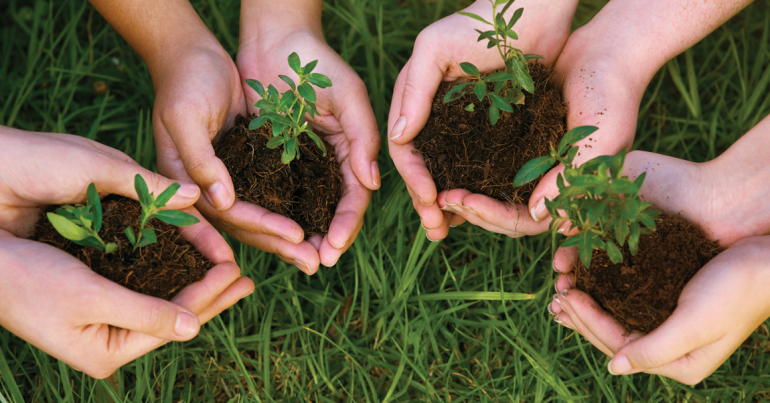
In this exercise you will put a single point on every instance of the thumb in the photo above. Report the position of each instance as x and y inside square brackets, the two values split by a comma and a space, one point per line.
[422, 81]
[546, 189]
[674, 339]
[119, 178]
[193, 145]
[152, 316]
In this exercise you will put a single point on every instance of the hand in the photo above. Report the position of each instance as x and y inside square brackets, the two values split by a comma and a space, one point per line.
[347, 122]
[52, 300]
[438, 52]
[717, 310]
[41, 169]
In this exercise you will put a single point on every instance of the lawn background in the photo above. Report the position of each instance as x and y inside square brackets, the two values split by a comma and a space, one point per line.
[398, 318]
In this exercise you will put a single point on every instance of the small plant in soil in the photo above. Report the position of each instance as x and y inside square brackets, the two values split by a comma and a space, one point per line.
[81, 223]
[508, 83]
[286, 112]
[277, 161]
[155, 260]
[481, 132]
[632, 260]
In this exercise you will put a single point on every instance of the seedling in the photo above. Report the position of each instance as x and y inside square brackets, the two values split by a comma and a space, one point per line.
[286, 111]
[81, 223]
[605, 208]
[509, 83]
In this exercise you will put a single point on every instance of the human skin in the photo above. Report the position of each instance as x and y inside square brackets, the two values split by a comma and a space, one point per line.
[606, 66]
[438, 51]
[52, 300]
[198, 95]
[727, 299]
[270, 32]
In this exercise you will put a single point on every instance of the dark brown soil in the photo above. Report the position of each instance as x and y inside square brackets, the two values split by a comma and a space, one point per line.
[643, 291]
[160, 270]
[463, 150]
[307, 190]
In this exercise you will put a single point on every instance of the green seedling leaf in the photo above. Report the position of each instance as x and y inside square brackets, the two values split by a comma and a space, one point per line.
[67, 228]
[176, 218]
[148, 235]
[507, 5]
[515, 18]
[294, 63]
[130, 235]
[309, 67]
[470, 108]
[272, 93]
[166, 195]
[265, 106]
[96, 206]
[274, 142]
[278, 128]
[91, 242]
[257, 86]
[474, 16]
[317, 140]
[511, 34]
[488, 35]
[287, 99]
[575, 135]
[613, 252]
[288, 80]
[142, 192]
[525, 80]
[499, 77]
[306, 91]
[532, 170]
[257, 122]
[110, 247]
[633, 238]
[455, 92]
[480, 90]
[585, 252]
[616, 166]
[532, 56]
[494, 114]
[319, 80]
[470, 69]
[500, 102]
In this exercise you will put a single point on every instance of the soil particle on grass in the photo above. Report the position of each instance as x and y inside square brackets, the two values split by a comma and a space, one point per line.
[463, 150]
[643, 291]
[160, 270]
[306, 191]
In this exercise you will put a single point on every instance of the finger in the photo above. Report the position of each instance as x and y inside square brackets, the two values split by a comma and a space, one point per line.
[200, 294]
[442, 231]
[356, 117]
[423, 77]
[564, 259]
[207, 240]
[565, 281]
[568, 318]
[255, 219]
[546, 188]
[238, 290]
[349, 214]
[431, 217]
[118, 177]
[130, 310]
[456, 220]
[511, 217]
[193, 144]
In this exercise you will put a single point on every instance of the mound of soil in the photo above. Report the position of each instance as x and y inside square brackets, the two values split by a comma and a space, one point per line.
[643, 291]
[307, 190]
[463, 150]
[160, 270]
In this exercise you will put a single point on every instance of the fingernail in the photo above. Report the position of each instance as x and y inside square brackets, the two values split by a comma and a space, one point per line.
[470, 209]
[186, 324]
[290, 240]
[560, 231]
[300, 265]
[451, 226]
[539, 212]
[187, 190]
[619, 365]
[219, 196]
[556, 319]
[556, 298]
[564, 293]
[550, 311]
[426, 236]
[249, 293]
[423, 203]
[553, 265]
[342, 245]
[398, 128]
[375, 174]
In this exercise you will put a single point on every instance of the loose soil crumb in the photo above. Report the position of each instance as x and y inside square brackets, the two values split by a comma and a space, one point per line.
[160, 270]
[643, 291]
[307, 191]
[463, 150]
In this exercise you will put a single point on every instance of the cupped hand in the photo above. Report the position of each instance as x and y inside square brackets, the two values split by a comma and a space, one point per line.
[718, 309]
[438, 51]
[41, 169]
[52, 300]
[346, 121]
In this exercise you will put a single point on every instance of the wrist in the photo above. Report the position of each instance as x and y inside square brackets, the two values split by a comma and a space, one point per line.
[268, 21]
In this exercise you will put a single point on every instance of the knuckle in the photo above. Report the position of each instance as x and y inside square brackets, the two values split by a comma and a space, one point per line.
[155, 318]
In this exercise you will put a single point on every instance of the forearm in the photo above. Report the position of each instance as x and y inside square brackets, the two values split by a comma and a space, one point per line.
[263, 18]
[642, 35]
[157, 30]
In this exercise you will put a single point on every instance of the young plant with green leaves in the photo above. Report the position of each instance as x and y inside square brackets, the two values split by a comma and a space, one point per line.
[81, 223]
[286, 112]
[598, 201]
[508, 84]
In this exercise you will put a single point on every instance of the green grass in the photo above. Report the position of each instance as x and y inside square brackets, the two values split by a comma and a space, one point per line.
[399, 318]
